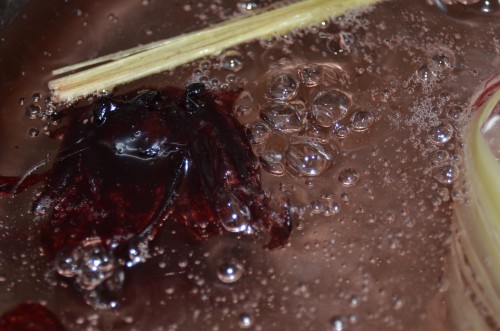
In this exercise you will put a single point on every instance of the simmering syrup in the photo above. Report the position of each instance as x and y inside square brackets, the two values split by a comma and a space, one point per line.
[357, 121]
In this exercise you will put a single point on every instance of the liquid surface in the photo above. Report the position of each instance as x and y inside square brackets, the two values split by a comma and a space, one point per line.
[359, 122]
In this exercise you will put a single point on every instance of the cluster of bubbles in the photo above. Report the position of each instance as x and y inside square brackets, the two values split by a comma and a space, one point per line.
[441, 133]
[90, 264]
[446, 167]
[95, 271]
[308, 106]
[37, 109]
[437, 68]
[231, 61]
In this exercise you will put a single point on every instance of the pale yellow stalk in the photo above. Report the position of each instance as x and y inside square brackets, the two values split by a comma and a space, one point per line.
[142, 61]
[475, 263]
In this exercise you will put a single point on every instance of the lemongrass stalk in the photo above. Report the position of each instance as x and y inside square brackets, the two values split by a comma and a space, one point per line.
[124, 53]
[109, 57]
[475, 252]
[143, 61]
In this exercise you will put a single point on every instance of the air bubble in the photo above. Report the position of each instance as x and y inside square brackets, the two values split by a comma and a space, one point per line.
[68, 264]
[330, 106]
[214, 82]
[489, 6]
[348, 177]
[353, 301]
[331, 208]
[246, 7]
[361, 120]
[341, 130]
[33, 132]
[345, 197]
[231, 78]
[455, 113]
[441, 134]
[288, 38]
[440, 156]
[311, 75]
[268, 43]
[258, 132]
[424, 73]
[316, 207]
[272, 162]
[309, 158]
[234, 215]
[36, 97]
[244, 105]
[446, 174]
[347, 39]
[205, 65]
[438, 66]
[337, 323]
[230, 271]
[107, 294]
[113, 18]
[203, 79]
[283, 87]
[33, 111]
[398, 303]
[441, 63]
[334, 43]
[232, 61]
[243, 110]
[283, 117]
[245, 321]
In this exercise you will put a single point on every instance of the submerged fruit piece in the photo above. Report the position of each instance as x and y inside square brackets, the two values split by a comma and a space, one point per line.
[30, 317]
[128, 164]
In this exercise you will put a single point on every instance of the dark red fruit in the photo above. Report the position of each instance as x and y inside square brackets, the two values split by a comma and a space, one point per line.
[128, 164]
[30, 317]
